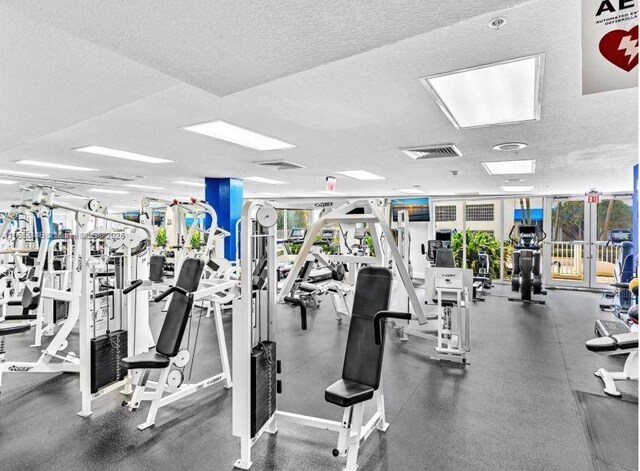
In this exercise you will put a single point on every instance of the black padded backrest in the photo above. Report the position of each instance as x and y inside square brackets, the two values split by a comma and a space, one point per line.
[432, 249]
[175, 323]
[444, 258]
[363, 358]
[156, 269]
[31, 300]
[626, 262]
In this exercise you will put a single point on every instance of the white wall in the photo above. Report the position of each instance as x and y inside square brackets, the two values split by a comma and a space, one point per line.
[420, 234]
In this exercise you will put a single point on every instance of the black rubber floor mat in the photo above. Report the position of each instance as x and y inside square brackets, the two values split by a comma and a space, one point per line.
[611, 427]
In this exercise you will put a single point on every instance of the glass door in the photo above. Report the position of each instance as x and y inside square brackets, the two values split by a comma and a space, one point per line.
[568, 243]
[610, 213]
[579, 253]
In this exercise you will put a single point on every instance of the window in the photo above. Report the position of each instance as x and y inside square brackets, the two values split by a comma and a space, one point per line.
[445, 213]
[480, 212]
[289, 219]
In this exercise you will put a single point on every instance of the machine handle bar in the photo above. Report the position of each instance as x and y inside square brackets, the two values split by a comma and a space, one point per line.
[303, 309]
[381, 316]
[134, 285]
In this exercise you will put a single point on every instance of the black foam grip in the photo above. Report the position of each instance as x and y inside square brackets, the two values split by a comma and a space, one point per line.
[134, 285]
[171, 290]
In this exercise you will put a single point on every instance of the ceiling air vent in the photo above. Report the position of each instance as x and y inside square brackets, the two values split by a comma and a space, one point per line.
[432, 152]
[279, 165]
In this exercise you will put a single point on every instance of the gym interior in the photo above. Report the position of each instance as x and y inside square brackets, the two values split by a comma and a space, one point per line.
[319, 235]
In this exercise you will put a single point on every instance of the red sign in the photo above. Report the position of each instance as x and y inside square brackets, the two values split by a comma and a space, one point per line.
[331, 183]
[620, 47]
[593, 198]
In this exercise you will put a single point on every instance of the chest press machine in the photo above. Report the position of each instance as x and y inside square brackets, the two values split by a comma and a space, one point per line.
[254, 348]
[170, 359]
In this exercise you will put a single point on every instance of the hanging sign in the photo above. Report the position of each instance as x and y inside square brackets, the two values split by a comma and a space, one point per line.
[609, 45]
[331, 183]
[593, 197]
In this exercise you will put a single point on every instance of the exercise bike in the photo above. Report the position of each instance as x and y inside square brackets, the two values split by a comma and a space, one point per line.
[526, 276]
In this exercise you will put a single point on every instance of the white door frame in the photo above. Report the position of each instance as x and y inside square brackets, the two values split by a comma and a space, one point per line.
[588, 261]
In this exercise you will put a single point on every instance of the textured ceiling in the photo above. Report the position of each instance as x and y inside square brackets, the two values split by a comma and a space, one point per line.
[352, 113]
[225, 46]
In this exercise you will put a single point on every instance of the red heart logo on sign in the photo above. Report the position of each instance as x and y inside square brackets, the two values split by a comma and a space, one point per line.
[620, 47]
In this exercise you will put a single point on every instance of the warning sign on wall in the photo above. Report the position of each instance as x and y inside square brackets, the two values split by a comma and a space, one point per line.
[609, 45]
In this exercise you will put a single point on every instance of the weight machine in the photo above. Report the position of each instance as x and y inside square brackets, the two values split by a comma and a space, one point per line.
[83, 301]
[169, 357]
[365, 212]
[255, 363]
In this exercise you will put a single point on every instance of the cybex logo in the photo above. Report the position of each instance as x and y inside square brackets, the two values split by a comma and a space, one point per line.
[325, 204]
[20, 368]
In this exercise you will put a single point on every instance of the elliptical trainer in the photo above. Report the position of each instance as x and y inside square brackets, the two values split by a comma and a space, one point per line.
[527, 276]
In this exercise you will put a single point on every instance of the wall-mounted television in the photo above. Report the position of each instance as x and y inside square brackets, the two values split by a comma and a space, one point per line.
[418, 209]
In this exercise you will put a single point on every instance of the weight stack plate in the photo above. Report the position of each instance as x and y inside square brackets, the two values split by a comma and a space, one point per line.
[106, 353]
[263, 385]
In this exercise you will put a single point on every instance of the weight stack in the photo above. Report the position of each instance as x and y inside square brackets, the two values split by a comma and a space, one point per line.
[60, 310]
[106, 353]
[263, 385]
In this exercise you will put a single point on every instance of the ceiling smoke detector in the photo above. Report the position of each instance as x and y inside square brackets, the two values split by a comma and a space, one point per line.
[510, 146]
[497, 23]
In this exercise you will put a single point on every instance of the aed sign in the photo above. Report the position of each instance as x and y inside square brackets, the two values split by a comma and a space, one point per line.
[593, 197]
[609, 45]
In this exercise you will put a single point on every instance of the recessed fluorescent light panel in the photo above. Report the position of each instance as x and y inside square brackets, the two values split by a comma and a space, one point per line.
[22, 174]
[361, 175]
[144, 187]
[37, 163]
[264, 180]
[501, 93]
[236, 135]
[121, 154]
[517, 188]
[411, 191]
[104, 190]
[7, 182]
[184, 182]
[510, 167]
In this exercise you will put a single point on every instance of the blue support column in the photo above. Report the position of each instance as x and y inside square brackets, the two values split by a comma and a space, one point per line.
[225, 195]
[635, 211]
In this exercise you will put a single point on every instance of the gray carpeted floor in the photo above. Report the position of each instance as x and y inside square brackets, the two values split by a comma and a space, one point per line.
[512, 409]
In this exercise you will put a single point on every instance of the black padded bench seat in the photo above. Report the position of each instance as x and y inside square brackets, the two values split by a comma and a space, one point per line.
[175, 322]
[345, 393]
[362, 367]
[615, 342]
[151, 360]
[7, 328]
